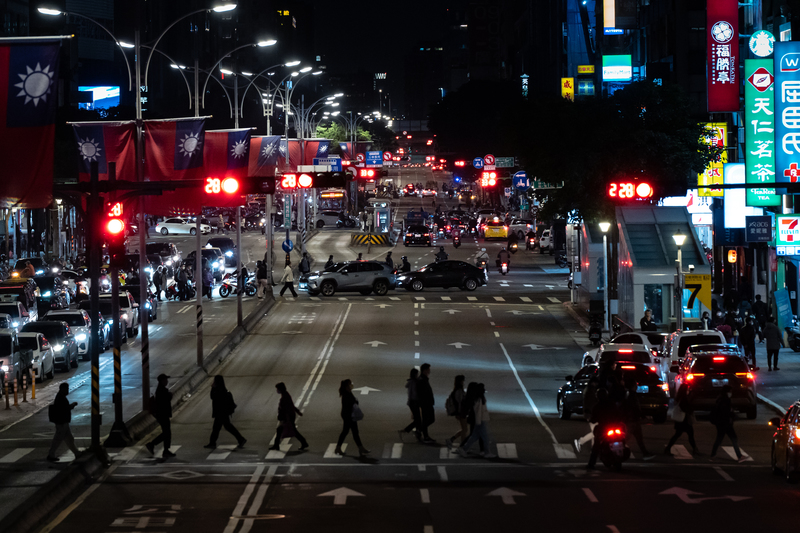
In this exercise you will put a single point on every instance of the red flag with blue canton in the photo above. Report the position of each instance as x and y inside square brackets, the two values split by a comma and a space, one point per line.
[226, 155]
[106, 142]
[28, 73]
[264, 153]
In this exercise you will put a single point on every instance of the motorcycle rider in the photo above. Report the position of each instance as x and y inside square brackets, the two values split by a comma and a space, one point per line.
[441, 255]
[503, 257]
[406, 266]
[604, 414]
[531, 235]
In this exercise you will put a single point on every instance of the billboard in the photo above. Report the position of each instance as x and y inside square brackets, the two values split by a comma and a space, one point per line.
[735, 209]
[722, 36]
[568, 89]
[99, 97]
[617, 68]
[787, 111]
[759, 116]
[716, 137]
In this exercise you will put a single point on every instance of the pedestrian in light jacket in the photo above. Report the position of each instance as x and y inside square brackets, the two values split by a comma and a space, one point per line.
[480, 428]
[426, 402]
[287, 414]
[288, 279]
[413, 404]
[222, 407]
[686, 425]
[61, 416]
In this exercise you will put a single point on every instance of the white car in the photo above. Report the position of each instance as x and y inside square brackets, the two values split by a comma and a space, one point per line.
[179, 226]
[44, 364]
[545, 241]
[520, 227]
[327, 218]
[20, 316]
[428, 193]
[81, 326]
[6, 322]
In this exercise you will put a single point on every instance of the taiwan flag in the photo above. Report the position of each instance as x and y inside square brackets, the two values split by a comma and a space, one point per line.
[28, 100]
[264, 153]
[106, 142]
[174, 152]
[226, 155]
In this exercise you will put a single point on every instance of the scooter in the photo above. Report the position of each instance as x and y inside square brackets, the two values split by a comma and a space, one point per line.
[793, 332]
[613, 449]
[504, 268]
[513, 247]
[561, 260]
[530, 243]
[456, 241]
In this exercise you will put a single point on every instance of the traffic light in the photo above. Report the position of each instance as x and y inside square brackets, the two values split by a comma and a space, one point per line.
[114, 230]
[229, 186]
[367, 173]
[488, 178]
[630, 190]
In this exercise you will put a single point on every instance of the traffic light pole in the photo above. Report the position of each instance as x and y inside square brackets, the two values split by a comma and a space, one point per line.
[198, 279]
[238, 256]
[94, 206]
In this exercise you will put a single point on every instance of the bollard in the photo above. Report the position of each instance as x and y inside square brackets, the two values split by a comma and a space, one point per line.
[5, 384]
[24, 388]
[33, 384]
[16, 403]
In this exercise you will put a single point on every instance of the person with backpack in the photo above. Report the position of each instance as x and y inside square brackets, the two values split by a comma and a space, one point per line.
[161, 409]
[426, 402]
[287, 414]
[722, 417]
[222, 407]
[413, 404]
[351, 413]
[305, 265]
[61, 415]
[480, 428]
[453, 408]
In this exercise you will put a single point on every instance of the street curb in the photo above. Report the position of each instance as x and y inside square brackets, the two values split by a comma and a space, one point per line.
[771, 405]
[49, 497]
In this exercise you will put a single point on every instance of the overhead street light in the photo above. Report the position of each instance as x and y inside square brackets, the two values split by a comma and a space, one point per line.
[604, 227]
[338, 95]
[223, 8]
[306, 69]
[295, 73]
[291, 64]
[679, 239]
[268, 42]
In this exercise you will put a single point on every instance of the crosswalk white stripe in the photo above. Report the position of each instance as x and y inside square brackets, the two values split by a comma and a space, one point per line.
[499, 299]
[397, 450]
[329, 452]
[342, 299]
[387, 450]
[730, 451]
[221, 453]
[419, 298]
[16, 455]
[472, 298]
[679, 451]
[524, 298]
[395, 298]
[127, 453]
[554, 299]
[564, 451]
[316, 298]
[445, 453]
[527, 285]
[67, 457]
[285, 446]
[507, 451]
[446, 298]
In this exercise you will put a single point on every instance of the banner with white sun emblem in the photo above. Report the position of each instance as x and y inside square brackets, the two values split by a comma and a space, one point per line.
[28, 73]
[264, 152]
[227, 152]
[106, 142]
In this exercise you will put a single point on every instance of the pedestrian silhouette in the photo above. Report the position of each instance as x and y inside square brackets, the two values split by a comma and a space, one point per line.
[222, 407]
[287, 414]
[162, 411]
[413, 405]
[351, 414]
[61, 416]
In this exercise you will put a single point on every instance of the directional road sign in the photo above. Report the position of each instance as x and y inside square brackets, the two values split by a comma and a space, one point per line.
[287, 246]
[374, 158]
[334, 162]
[387, 156]
[521, 181]
[477, 163]
[488, 159]
[504, 162]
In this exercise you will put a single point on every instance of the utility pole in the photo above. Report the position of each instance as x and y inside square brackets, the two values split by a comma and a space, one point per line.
[95, 249]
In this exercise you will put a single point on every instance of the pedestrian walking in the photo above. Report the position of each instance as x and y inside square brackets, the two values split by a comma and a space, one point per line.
[589, 401]
[389, 261]
[208, 282]
[480, 428]
[747, 337]
[61, 415]
[722, 417]
[359, 257]
[774, 338]
[351, 414]
[221, 224]
[157, 281]
[161, 409]
[633, 417]
[222, 408]
[288, 279]
[706, 321]
[287, 414]
[413, 404]
[453, 408]
[683, 415]
[329, 263]
[646, 323]
[305, 264]
[183, 283]
[761, 311]
[426, 402]
[261, 277]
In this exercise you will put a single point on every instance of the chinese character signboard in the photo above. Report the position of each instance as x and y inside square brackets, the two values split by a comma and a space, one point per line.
[758, 229]
[759, 119]
[568, 89]
[787, 111]
[585, 69]
[722, 27]
[716, 137]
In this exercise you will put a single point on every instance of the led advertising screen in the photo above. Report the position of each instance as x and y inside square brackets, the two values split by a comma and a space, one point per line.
[102, 97]
[617, 68]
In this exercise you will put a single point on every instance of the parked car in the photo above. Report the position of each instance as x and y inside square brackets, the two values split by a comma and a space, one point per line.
[707, 373]
[228, 248]
[327, 218]
[545, 241]
[444, 274]
[417, 234]
[360, 276]
[79, 323]
[58, 333]
[180, 226]
[43, 363]
[785, 451]
[13, 360]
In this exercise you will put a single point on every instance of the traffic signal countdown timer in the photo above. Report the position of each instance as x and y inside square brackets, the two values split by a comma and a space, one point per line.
[630, 190]
[228, 187]
[488, 178]
[114, 233]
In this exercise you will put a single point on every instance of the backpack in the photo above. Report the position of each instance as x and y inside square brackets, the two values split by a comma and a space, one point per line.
[450, 406]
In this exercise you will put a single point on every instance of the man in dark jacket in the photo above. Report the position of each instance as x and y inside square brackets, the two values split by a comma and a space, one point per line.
[605, 413]
[287, 415]
[425, 401]
[633, 417]
[183, 281]
[157, 280]
[61, 416]
[747, 338]
[761, 311]
[305, 264]
[774, 337]
[261, 277]
[163, 413]
[722, 417]
[647, 323]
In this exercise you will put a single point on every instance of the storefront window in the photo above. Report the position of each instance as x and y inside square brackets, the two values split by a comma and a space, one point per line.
[653, 301]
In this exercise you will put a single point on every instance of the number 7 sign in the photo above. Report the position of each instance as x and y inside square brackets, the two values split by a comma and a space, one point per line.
[700, 287]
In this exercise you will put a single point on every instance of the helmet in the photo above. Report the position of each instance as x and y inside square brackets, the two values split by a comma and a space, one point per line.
[441, 248]
[404, 258]
[483, 249]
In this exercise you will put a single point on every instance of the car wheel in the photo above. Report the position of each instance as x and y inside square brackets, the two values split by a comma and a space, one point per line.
[365, 292]
[381, 288]
[752, 412]
[327, 288]
[660, 417]
[563, 412]
[320, 223]
[774, 462]
[192, 231]
[164, 231]
[470, 284]
[416, 285]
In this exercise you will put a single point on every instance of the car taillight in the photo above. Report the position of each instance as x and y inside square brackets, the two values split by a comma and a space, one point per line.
[408, 235]
[748, 375]
[797, 433]
[652, 368]
[625, 351]
[505, 228]
[718, 358]
[612, 432]
[664, 387]
[628, 367]
[690, 377]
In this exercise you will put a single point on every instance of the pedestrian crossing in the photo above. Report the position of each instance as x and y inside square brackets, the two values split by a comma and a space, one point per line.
[391, 451]
[428, 298]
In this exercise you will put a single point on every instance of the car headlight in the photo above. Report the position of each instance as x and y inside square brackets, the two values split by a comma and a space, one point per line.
[147, 305]
[176, 257]
[228, 254]
[124, 315]
[15, 324]
[313, 276]
[4, 368]
[58, 347]
[402, 278]
[148, 269]
[80, 337]
[47, 294]
[106, 282]
[169, 262]
[40, 272]
[111, 322]
[54, 269]
[215, 264]
[208, 246]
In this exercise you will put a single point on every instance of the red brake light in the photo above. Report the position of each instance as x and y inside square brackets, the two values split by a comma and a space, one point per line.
[797, 433]
[652, 368]
[718, 358]
[618, 432]
[625, 351]
[628, 367]
[610, 432]
[690, 377]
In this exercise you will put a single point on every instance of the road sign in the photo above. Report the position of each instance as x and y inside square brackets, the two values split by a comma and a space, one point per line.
[504, 162]
[521, 181]
[360, 158]
[287, 211]
[387, 156]
[334, 162]
[507, 191]
[287, 246]
[488, 159]
[374, 158]
[543, 185]
[477, 163]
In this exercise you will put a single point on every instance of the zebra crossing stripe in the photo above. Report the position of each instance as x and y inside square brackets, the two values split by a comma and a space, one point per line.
[525, 299]
[285, 446]
[499, 299]
[395, 298]
[564, 451]
[472, 298]
[397, 450]
[730, 451]
[221, 453]
[554, 299]
[16, 455]
[446, 298]
[679, 451]
[127, 453]
[507, 451]
[445, 453]
[329, 452]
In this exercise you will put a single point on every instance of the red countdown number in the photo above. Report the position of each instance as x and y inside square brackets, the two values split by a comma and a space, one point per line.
[289, 181]
[627, 190]
[116, 210]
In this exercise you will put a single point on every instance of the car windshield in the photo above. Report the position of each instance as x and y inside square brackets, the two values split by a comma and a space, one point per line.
[28, 343]
[692, 340]
[6, 345]
[52, 332]
[635, 356]
[719, 365]
[640, 373]
[335, 267]
[10, 309]
[73, 319]
[655, 338]
[105, 306]
[123, 301]
[417, 229]
[221, 242]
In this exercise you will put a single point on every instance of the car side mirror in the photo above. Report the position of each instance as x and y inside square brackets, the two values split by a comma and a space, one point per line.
[568, 378]
[673, 368]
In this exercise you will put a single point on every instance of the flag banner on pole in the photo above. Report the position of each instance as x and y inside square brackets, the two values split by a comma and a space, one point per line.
[106, 142]
[264, 153]
[347, 150]
[28, 101]
[226, 155]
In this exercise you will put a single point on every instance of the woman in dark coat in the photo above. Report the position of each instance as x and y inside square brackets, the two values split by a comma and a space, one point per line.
[287, 414]
[682, 400]
[222, 407]
[348, 402]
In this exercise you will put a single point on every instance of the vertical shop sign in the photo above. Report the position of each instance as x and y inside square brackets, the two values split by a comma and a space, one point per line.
[722, 27]
[568, 89]
[759, 119]
[715, 137]
[787, 111]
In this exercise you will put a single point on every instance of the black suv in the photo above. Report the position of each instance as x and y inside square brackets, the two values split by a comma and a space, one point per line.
[228, 248]
[706, 374]
[417, 234]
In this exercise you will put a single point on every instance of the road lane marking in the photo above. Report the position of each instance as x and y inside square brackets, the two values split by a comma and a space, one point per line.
[419, 298]
[416, 355]
[446, 453]
[258, 500]
[723, 474]
[554, 299]
[16, 455]
[499, 299]
[528, 396]
[78, 502]
[416, 343]
[563, 451]
[442, 473]
[446, 298]
[488, 312]
[525, 299]
[395, 298]
[280, 454]
[128, 453]
[497, 334]
[243, 499]
[427, 529]
[590, 495]
[416, 322]
[329, 453]
[472, 298]
[527, 285]
[422, 468]
[730, 451]
[416, 333]
[679, 451]
[324, 357]
[416, 314]
[507, 451]
[541, 308]
[416, 306]
[425, 495]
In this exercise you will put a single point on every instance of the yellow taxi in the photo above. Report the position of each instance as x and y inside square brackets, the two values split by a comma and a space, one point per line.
[495, 229]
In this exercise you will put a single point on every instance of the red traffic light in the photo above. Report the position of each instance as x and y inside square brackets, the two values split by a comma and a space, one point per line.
[293, 181]
[305, 181]
[115, 226]
[368, 173]
[223, 185]
[488, 178]
[630, 190]
[461, 163]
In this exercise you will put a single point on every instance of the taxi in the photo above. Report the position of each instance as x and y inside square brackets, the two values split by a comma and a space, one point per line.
[495, 229]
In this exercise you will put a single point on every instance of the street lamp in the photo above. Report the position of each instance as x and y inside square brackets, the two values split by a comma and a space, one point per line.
[604, 227]
[679, 238]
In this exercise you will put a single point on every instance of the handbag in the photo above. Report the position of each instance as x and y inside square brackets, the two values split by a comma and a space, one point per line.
[676, 414]
[357, 414]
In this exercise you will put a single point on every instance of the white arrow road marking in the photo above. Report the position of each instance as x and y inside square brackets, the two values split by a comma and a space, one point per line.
[451, 311]
[375, 344]
[458, 344]
[542, 347]
[507, 495]
[685, 496]
[516, 312]
[383, 306]
[340, 495]
[366, 390]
